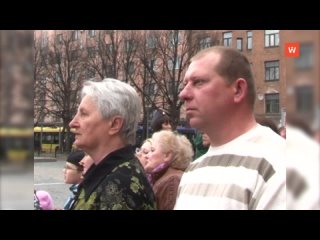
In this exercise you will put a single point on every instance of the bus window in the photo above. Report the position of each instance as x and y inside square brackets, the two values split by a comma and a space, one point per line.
[48, 139]
[15, 144]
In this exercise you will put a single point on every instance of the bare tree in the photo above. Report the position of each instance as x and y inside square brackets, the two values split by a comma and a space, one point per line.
[137, 62]
[63, 65]
[206, 38]
[155, 62]
[103, 52]
[39, 89]
[169, 52]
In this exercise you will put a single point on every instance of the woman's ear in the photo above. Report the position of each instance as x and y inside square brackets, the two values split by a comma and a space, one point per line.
[116, 124]
[168, 157]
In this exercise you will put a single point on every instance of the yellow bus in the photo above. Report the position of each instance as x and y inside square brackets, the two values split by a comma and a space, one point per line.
[15, 143]
[49, 139]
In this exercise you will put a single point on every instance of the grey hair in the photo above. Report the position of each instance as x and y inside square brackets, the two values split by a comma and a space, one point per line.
[114, 97]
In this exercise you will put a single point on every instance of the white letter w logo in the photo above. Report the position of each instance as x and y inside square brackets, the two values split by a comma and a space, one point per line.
[292, 49]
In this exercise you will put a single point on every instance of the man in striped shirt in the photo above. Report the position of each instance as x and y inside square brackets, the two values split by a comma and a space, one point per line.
[244, 167]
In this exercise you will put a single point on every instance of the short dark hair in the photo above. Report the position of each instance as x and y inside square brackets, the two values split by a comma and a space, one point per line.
[159, 117]
[233, 65]
[75, 158]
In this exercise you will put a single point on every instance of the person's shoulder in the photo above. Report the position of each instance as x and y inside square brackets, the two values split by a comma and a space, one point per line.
[270, 137]
[172, 174]
[194, 164]
[127, 169]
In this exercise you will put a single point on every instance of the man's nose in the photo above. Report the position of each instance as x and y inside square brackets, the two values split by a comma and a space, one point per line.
[184, 93]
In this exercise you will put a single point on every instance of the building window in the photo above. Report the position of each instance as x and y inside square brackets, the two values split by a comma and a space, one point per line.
[176, 66]
[249, 40]
[149, 88]
[205, 43]
[272, 103]
[239, 44]
[271, 38]
[59, 38]
[227, 39]
[151, 68]
[170, 64]
[109, 48]
[42, 97]
[92, 33]
[55, 58]
[109, 70]
[174, 38]
[91, 73]
[151, 41]
[57, 77]
[272, 72]
[73, 75]
[178, 62]
[74, 55]
[131, 68]
[171, 87]
[129, 45]
[151, 65]
[304, 99]
[91, 52]
[305, 61]
[44, 41]
[75, 35]
[43, 62]
[73, 94]
[109, 32]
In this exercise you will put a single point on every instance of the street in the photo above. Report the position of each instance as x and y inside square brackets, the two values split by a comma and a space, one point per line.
[48, 176]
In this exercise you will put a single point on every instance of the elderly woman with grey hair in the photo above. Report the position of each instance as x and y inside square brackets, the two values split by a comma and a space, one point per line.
[105, 127]
[170, 155]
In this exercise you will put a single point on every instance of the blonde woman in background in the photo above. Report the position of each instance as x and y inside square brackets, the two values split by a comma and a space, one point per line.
[142, 153]
[170, 155]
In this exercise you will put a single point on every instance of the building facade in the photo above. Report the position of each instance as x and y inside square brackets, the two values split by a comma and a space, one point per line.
[283, 84]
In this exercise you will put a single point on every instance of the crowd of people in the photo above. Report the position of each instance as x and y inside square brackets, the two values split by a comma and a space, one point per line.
[237, 160]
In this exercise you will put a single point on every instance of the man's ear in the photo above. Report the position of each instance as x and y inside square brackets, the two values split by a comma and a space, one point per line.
[240, 89]
[116, 124]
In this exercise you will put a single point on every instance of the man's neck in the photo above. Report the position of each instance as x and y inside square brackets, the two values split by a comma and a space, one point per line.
[235, 127]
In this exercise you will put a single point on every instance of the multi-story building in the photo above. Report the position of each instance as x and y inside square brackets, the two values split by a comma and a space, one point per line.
[302, 75]
[152, 61]
[262, 47]
[283, 84]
